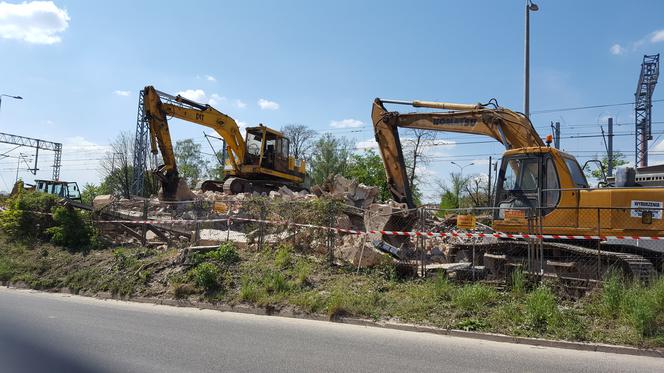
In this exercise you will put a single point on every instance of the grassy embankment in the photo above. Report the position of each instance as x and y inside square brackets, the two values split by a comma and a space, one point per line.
[278, 277]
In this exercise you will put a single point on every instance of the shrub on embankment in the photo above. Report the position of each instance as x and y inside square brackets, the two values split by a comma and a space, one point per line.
[33, 216]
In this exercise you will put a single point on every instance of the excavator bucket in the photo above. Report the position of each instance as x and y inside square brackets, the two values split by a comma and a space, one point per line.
[174, 188]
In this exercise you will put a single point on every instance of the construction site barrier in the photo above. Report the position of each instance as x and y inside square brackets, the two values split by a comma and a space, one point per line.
[395, 233]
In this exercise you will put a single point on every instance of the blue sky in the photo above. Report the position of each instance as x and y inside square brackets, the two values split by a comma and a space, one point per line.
[80, 64]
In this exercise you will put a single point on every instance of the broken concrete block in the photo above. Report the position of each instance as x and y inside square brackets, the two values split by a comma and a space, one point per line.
[101, 201]
[358, 251]
[343, 222]
[390, 217]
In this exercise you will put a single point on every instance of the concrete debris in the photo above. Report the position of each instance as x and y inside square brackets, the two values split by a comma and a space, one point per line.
[352, 192]
[101, 201]
[390, 216]
[359, 251]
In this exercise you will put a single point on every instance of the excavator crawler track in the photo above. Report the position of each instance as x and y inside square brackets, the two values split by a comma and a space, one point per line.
[561, 259]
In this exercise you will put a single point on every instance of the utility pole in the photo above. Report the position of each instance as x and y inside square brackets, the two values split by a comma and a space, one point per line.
[609, 154]
[530, 6]
[555, 129]
[488, 188]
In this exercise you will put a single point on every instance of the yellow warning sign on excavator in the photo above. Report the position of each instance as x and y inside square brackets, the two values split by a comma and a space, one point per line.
[466, 221]
[515, 216]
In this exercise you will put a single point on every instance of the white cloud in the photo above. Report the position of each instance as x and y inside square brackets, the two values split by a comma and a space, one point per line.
[657, 36]
[367, 144]
[197, 95]
[240, 104]
[617, 49]
[37, 22]
[121, 93]
[210, 78]
[80, 144]
[659, 147]
[49, 122]
[267, 104]
[215, 99]
[346, 123]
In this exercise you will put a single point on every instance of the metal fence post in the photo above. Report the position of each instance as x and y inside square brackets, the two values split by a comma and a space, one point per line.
[228, 226]
[421, 241]
[261, 225]
[599, 241]
[144, 226]
[329, 234]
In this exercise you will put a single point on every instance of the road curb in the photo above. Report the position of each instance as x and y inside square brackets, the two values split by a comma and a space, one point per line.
[290, 313]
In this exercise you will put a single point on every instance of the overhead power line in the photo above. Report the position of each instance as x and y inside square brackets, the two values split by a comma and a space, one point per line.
[585, 107]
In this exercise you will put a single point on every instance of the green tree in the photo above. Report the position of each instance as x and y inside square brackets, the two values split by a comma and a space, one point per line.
[453, 193]
[618, 160]
[301, 139]
[367, 168]
[117, 169]
[331, 156]
[90, 191]
[190, 162]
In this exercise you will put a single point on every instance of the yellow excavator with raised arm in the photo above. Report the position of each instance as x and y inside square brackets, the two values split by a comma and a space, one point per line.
[535, 176]
[260, 162]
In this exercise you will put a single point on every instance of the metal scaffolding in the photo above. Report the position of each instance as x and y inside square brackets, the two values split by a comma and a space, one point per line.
[140, 150]
[643, 107]
[37, 144]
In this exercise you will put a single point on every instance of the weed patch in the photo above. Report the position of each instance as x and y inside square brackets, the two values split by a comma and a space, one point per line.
[473, 297]
[541, 308]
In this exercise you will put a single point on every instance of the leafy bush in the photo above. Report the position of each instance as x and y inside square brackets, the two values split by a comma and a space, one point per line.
[70, 229]
[225, 254]
[472, 324]
[541, 308]
[28, 215]
[206, 276]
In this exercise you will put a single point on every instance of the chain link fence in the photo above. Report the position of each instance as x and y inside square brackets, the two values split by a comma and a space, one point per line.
[476, 243]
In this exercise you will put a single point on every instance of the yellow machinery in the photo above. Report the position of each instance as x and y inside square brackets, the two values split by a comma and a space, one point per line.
[532, 175]
[260, 162]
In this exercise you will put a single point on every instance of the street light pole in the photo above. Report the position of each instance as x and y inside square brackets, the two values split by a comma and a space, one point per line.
[10, 96]
[458, 189]
[530, 6]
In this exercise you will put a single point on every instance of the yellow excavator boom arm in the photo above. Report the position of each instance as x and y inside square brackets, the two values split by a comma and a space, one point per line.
[511, 129]
[157, 112]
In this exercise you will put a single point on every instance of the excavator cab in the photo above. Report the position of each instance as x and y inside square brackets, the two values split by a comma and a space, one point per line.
[268, 149]
[64, 189]
[532, 178]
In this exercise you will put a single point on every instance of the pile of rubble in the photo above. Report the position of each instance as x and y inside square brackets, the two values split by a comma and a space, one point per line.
[360, 211]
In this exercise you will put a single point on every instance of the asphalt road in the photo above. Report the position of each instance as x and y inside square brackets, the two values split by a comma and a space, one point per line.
[42, 332]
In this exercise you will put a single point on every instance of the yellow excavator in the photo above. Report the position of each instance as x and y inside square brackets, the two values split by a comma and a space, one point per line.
[535, 176]
[258, 163]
